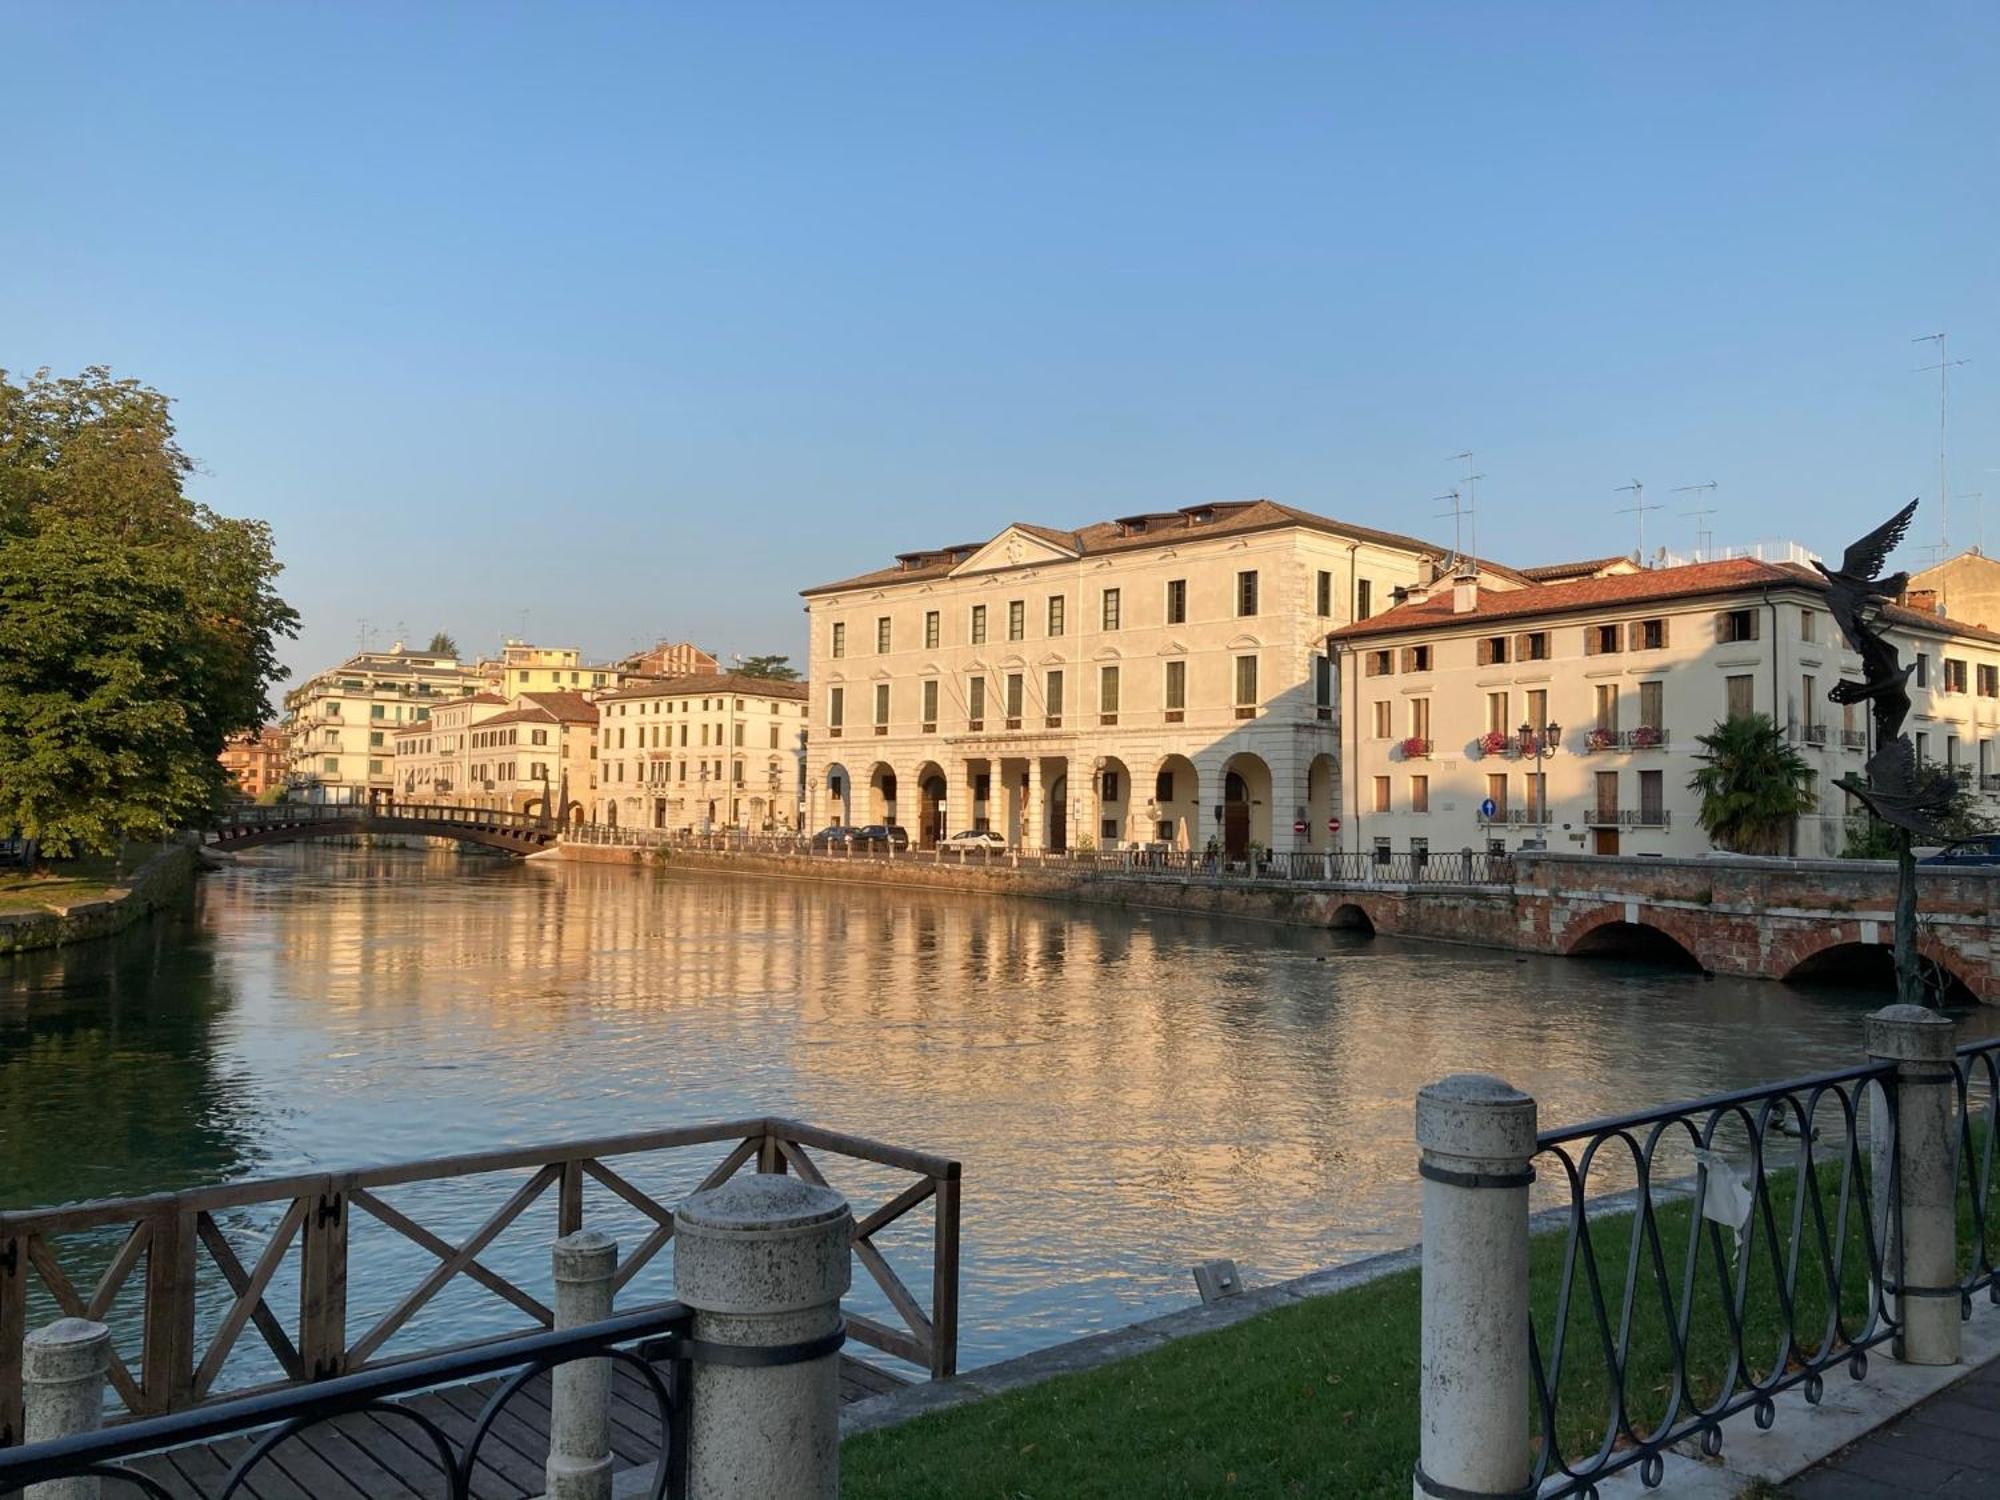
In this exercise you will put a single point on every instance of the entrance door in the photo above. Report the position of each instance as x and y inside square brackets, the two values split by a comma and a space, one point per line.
[930, 823]
[1058, 818]
[1235, 818]
[1606, 841]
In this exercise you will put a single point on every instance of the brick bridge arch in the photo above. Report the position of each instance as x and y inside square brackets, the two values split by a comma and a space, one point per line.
[1626, 929]
[1811, 953]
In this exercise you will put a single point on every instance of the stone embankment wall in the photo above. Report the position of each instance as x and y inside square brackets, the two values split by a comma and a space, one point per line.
[164, 880]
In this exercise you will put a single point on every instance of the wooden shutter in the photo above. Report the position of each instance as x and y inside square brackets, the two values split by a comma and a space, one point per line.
[1635, 636]
[1590, 640]
[1665, 632]
[1722, 628]
[1409, 658]
[1521, 645]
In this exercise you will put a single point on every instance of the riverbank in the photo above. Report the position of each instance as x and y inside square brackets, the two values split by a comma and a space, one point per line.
[91, 900]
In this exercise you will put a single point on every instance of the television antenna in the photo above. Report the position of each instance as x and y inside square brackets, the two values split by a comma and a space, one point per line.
[1978, 499]
[1471, 483]
[1458, 515]
[1704, 537]
[1944, 367]
[1637, 508]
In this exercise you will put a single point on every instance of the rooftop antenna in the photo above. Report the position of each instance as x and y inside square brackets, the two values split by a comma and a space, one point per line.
[1944, 367]
[1704, 537]
[1637, 508]
[361, 637]
[1471, 505]
[1978, 499]
[1457, 514]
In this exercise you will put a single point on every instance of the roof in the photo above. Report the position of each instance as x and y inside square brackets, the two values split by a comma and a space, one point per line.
[1622, 591]
[519, 716]
[570, 707]
[711, 684]
[1583, 568]
[1154, 529]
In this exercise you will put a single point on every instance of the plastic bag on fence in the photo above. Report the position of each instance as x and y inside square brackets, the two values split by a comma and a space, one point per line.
[1725, 1194]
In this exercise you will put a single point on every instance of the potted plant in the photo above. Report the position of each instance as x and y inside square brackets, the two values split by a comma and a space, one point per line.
[1415, 747]
[1494, 742]
[1646, 736]
[1603, 739]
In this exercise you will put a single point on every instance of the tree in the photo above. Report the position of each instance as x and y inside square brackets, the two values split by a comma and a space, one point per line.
[1752, 785]
[1938, 786]
[443, 645]
[772, 668]
[138, 629]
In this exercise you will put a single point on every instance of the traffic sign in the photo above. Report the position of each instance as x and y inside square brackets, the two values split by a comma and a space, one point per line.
[1333, 825]
[1488, 808]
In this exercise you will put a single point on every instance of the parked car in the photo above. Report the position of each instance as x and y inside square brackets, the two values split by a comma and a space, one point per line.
[834, 836]
[968, 839]
[884, 836]
[1981, 851]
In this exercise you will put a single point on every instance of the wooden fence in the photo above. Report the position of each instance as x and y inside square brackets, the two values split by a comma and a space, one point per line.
[158, 1245]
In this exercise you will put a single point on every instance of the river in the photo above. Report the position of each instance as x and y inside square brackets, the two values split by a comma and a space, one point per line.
[1130, 1092]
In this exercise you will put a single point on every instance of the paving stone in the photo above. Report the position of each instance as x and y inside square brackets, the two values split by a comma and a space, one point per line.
[1831, 1484]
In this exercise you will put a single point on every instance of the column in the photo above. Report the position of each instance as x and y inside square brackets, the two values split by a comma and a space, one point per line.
[62, 1394]
[1036, 837]
[1476, 1142]
[1209, 778]
[579, 1465]
[1922, 1259]
[763, 1260]
[957, 798]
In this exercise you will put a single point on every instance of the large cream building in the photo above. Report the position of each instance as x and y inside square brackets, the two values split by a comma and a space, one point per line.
[1449, 698]
[523, 668]
[341, 723]
[707, 751]
[1157, 678]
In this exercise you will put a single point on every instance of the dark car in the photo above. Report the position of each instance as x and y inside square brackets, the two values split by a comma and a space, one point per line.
[886, 836]
[1982, 851]
[835, 836]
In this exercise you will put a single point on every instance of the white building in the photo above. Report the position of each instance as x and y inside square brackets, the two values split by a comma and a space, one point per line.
[341, 723]
[703, 752]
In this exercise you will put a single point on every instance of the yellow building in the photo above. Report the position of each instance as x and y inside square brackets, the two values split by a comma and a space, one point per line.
[703, 752]
[341, 723]
[524, 668]
[539, 752]
[1158, 678]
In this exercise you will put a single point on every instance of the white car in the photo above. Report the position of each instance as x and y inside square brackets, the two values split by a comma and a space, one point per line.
[974, 838]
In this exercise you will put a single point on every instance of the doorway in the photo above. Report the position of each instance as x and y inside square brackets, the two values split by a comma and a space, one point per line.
[1604, 841]
[930, 817]
[1058, 819]
[1235, 818]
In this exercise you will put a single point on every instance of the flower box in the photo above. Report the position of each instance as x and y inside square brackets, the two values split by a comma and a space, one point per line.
[1494, 742]
[1416, 748]
[1603, 739]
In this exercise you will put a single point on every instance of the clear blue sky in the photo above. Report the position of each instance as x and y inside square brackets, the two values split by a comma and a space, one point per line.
[641, 318]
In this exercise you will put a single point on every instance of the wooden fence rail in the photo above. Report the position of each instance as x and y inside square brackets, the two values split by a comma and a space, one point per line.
[169, 1235]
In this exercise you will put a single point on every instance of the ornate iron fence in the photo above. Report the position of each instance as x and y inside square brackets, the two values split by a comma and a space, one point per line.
[1753, 1261]
[1977, 1067]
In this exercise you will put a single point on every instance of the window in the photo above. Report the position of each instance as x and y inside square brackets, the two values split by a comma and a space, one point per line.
[1416, 658]
[1808, 697]
[1492, 650]
[1176, 601]
[1052, 699]
[1107, 695]
[1381, 794]
[1923, 749]
[931, 630]
[1496, 714]
[836, 708]
[1607, 707]
[1532, 645]
[1017, 619]
[1323, 592]
[1736, 625]
[1246, 687]
[1742, 696]
[1109, 786]
[1954, 674]
[1420, 794]
[932, 705]
[375, 740]
[1649, 635]
[1652, 798]
[1420, 719]
[1989, 681]
[978, 624]
[1246, 592]
[1013, 700]
[1806, 626]
[975, 703]
[1378, 664]
[1176, 691]
[1110, 609]
[1381, 708]
[1652, 705]
[840, 638]
[376, 711]
[1923, 669]
[882, 636]
[929, 717]
[1600, 640]
[1056, 623]
[1163, 787]
[1496, 793]
[1363, 597]
[1323, 685]
[330, 764]
[881, 707]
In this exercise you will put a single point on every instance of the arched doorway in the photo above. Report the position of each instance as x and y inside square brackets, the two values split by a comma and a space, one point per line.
[611, 814]
[839, 796]
[1322, 801]
[1057, 820]
[1175, 807]
[1246, 806]
[931, 791]
[882, 793]
[1114, 801]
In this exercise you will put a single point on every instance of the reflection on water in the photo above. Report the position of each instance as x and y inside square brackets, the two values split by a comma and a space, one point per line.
[1129, 1092]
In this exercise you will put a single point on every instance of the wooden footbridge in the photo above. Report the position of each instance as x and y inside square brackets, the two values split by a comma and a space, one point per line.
[512, 832]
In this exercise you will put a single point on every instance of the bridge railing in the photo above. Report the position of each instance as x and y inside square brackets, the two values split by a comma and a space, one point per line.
[261, 1285]
[295, 814]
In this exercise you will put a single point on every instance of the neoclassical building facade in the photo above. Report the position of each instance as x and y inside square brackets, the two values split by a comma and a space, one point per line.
[702, 752]
[1159, 678]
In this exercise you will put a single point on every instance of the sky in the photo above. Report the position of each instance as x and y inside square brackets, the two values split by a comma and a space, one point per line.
[603, 324]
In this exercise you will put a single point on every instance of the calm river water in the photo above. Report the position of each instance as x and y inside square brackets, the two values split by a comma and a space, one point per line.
[1129, 1092]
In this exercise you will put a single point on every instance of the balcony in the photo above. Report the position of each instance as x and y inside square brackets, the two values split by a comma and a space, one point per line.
[1819, 735]
[1416, 747]
[1516, 817]
[1600, 739]
[1854, 739]
[1631, 817]
[1645, 737]
[1989, 782]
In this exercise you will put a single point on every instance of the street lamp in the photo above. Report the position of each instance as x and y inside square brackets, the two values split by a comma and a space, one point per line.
[702, 782]
[1542, 743]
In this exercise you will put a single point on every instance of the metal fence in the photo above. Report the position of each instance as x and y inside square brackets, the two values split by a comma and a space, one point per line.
[1977, 1074]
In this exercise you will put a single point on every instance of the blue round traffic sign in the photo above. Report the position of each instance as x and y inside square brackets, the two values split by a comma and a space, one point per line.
[1488, 808]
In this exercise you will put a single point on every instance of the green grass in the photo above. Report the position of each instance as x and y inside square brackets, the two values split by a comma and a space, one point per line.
[1320, 1398]
[69, 881]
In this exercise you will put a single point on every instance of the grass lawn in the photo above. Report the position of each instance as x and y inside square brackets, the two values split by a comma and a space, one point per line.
[1320, 1399]
[65, 882]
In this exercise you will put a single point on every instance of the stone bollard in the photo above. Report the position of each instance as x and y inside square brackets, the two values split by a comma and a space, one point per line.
[1923, 1258]
[1476, 1140]
[62, 1393]
[579, 1466]
[763, 1261]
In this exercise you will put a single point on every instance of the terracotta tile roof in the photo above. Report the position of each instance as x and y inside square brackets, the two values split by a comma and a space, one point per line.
[519, 716]
[712, 684]
[1156, 529]
[571, 707]
[1582, 568]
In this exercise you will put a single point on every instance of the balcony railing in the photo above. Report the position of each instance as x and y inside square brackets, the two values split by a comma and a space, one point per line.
[1989, 782]
[1644, 817]
[1416, 747]
[1645, 737]
[1854, 739]
[1516, 817]
[1600, 739]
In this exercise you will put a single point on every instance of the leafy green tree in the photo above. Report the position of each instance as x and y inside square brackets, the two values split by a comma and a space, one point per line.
[772, 668]
[1958, 816]
[443, 645]
[138, 629]
[1753, 785]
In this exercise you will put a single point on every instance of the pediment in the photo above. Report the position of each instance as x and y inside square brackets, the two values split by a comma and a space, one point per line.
[1013, 548]
[1245, 643]
[1174, 648]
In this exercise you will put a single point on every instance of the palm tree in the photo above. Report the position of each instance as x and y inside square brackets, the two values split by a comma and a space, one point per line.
[1752, 785]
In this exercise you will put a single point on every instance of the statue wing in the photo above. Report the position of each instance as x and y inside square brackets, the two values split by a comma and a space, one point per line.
[1865, 559]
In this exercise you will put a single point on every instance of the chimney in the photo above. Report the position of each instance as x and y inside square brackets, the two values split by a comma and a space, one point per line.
[1923, 601]
[1465, 593]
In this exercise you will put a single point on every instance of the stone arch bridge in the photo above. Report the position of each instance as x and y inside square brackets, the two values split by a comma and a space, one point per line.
[1760, 918]
[512, 832]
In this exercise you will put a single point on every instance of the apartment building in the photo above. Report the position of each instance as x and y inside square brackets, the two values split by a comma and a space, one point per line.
[256, 760]
[671, 659]
[523, 668]
[1565, 715]
[538, 752]
[706, 751]
[341, 723]
[1161, 677]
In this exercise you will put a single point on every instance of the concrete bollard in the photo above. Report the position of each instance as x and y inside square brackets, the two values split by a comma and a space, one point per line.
[763, 1261]
[1476, 1140]
[62, 1394]
[1924, 1257]
[579, 1466]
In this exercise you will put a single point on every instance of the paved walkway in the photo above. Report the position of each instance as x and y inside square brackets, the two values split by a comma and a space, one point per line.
[1947, 1446]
